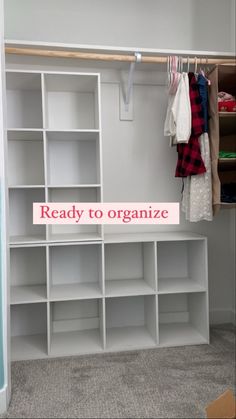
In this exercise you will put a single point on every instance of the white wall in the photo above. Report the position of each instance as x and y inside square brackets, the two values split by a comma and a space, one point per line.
[175, 24]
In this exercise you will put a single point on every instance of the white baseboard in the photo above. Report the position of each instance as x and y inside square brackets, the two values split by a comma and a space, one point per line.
[3, 400]
[221, 316]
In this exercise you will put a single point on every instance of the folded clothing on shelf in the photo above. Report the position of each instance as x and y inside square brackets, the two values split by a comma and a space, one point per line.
[225, 97]
[227, 154]
[228, 193]
[227, 106]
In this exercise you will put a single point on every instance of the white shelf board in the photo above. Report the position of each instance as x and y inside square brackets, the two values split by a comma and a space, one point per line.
[178, 285]
[113, 48]
[28, 347]
[127, 287]
[129, 337]
[24, 129]
[77, 342]
[179, 334]
[88, 185]
[28, 294]
[146, 237]
[25, 135]
[75, 291]
[74, 237]
[25, 186]
[72, 134]
[26, 239]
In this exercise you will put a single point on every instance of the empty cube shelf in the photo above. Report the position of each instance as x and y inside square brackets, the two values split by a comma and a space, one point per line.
[25, 158]
[131, 322]
[75, 271]
[29, 331]
[130, 269]
[22, 229]
[71, 101]
[183, 319]
[181, 266]
[28, 275]
[73, 158]
[76, 327]
[74, 232]
[24, 100]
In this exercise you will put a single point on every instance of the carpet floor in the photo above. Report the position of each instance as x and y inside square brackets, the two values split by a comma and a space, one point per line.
[156, 383]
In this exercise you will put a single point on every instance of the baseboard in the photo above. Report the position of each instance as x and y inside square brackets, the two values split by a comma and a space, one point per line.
[221, 316]
[3, 400]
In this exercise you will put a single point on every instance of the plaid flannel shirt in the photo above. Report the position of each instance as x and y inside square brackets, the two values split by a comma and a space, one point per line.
[189, 155]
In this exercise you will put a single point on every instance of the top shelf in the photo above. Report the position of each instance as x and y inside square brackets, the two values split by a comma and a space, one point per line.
[148, 237]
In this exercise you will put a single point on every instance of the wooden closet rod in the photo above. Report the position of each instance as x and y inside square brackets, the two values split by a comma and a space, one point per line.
[109, 57]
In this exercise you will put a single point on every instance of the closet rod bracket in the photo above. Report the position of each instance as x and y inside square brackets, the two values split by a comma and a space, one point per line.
[126, 96]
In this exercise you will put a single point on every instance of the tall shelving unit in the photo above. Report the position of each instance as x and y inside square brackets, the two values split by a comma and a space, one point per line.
[74, 291]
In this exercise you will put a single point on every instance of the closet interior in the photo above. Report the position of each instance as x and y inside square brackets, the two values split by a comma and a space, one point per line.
[74, 290]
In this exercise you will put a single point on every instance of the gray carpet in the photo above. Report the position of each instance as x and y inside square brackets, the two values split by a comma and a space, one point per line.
[157, 383]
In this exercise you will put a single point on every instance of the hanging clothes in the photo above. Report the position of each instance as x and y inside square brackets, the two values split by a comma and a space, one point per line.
[178, 117]
[203, 91]
[197, 191]
[189, 155]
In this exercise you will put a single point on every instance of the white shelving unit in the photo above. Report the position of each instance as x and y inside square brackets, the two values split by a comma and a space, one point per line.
[72, 290]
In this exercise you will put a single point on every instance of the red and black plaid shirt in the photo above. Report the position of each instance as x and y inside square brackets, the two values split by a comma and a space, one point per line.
[189, 155]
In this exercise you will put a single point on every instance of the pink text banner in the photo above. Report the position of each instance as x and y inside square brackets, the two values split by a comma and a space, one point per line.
[106, 213]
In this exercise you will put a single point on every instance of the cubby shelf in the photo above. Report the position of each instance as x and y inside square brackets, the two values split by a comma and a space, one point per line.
[180, 334]
[123, 287]
[178, 285]
[25, 294]
[28, 347]
[72, 290]
[75, 343]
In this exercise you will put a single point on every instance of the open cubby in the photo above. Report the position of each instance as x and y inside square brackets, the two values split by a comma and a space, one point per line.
[76, 327]
[74, 232]
[29, 331]
[25, 158]
[75, 271]
[183, 319]
[22, 229]
[181, 266]
[28, 274]
[131, 322]
[130, 269]
[71, 101]
[24, 100]
[73, 158]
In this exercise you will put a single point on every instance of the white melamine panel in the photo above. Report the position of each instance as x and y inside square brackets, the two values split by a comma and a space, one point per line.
[131, 322]
[181, 266]
[24, 100]
[25, 158]
[28, 274]
[76, 327]
[21, 224]
[74, 232]
[75, 271]
[129, 269]
[29, 331]
[183, 319]
[71, 102]
[71, 160]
